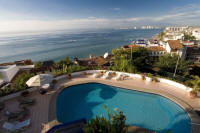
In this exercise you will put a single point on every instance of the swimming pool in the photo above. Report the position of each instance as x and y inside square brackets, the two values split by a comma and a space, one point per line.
[145, 110]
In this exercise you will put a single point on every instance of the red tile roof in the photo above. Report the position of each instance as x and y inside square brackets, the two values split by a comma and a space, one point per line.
[175, 44]
[133, 46]
[156, 48]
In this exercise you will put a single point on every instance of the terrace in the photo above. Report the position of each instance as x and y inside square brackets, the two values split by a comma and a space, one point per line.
[43, 112]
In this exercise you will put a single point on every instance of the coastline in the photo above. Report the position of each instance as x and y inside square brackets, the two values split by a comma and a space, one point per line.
[57, 46]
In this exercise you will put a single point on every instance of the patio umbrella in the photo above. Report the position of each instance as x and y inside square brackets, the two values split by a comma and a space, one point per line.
[39, 80]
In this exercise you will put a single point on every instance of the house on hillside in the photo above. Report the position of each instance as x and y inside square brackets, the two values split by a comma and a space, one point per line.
[141, 43]
[174, 47]
[156, 51]
[153, 43]
[193, 53]
[196, 34]
[187, 43]
[173, 36]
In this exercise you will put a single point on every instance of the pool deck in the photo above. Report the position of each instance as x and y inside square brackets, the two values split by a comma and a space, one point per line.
[43, 114]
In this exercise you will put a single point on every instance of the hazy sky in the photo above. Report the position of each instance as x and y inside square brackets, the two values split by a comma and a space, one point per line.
[26, 15]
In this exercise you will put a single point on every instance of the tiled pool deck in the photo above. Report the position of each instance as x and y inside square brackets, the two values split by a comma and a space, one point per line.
[45, 109]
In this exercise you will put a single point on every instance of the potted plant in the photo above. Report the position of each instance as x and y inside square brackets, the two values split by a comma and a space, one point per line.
[69, 76]
[143, 77]
[155, 79]
[196, 86]
[84, 73]
[193, 94]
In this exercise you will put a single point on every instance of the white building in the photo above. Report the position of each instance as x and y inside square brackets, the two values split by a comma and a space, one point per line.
[156, 51]
[196, 34]
[174, 47]
[176, 29]
[141, 43]
[153, 43]
[8, 72]
[173, 36]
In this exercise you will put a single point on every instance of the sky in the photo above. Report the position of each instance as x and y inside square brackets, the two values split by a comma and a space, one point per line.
[47, 15]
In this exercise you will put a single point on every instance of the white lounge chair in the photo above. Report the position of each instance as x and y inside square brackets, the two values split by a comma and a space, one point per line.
[105, 76]
[98, 75]
[13, 127]
[121, 77]
[117, 77]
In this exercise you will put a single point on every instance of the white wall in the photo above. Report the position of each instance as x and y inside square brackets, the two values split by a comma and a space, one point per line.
[162, 80]
[9, 73]
[26, 67]
[196, 35]
[168, 49]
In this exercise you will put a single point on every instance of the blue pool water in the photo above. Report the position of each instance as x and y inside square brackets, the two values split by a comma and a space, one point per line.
[145, 110]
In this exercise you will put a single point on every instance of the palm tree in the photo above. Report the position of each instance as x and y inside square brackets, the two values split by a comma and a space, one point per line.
[196, 84]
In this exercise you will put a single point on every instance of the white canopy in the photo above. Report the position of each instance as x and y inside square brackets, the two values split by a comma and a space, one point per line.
[40, 80]
[105, 55]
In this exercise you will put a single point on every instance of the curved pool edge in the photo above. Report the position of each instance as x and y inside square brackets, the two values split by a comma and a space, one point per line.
[186, 107]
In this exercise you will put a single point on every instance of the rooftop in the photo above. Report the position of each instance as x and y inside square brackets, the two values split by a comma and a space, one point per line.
[175, 44]
[156, 48]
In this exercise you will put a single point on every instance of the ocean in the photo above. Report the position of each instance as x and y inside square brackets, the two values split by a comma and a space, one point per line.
[57, 45]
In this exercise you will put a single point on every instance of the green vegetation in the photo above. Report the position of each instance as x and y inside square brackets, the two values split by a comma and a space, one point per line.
[167, 63]
[136, 61]
[189, 37]
[139, 61]
[114, 124]
[38, 64]
[1, 77]
[195, 82]
[66, 67]
[20, 82]
[161, 36]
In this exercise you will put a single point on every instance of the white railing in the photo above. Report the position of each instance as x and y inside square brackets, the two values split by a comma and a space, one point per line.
[148, 79]
[162, 80]
[26, 67]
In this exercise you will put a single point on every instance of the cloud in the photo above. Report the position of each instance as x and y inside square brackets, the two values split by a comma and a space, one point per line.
[116, 9]
[181, 15]
[188, 15]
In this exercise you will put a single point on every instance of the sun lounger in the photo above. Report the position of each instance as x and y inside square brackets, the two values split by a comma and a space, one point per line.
[108, 75]
[105, 75]
[17, 116]
[14, 127]
[117, 77]
[98, 75]
[121, 77]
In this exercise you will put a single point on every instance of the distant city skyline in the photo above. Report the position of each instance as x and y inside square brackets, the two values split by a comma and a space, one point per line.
[45, 15]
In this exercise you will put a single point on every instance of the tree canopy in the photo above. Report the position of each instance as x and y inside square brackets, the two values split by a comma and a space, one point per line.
[168, 63]
[115, 124]
[189, 37]
[131, 61]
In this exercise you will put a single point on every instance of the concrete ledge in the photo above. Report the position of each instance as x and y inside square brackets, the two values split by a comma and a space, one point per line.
[162, 80]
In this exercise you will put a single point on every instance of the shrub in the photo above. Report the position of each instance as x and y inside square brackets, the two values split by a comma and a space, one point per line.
[115, 123]
[5, 91]
[20, 82]
[38, 64]
[1, 76]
